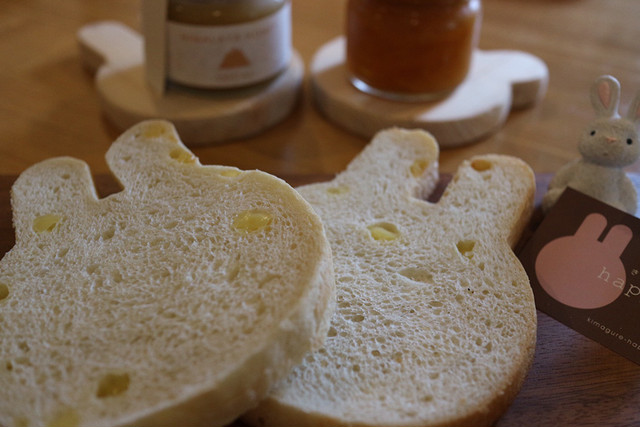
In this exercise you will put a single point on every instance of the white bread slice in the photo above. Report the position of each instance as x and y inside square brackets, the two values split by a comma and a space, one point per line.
[175, 302]
[435, 326]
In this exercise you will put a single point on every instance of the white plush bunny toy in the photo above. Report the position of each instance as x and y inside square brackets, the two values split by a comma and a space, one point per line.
[607, 145]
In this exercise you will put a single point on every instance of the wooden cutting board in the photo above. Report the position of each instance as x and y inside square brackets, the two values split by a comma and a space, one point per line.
[499, 81]
[115, 53]
[574, 382]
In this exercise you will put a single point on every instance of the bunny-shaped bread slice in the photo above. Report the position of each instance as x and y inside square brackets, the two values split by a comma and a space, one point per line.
[607, 145]
[435, 322]
[175, 302]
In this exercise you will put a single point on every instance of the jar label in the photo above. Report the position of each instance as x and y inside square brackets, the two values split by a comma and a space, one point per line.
[226, 56]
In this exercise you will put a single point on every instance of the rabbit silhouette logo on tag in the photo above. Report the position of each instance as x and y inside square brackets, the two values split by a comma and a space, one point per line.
[577, 270]
[584, 269]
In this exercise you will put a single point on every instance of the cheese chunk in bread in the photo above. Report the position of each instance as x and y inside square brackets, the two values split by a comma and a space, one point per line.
[175, 302]
[435, 322]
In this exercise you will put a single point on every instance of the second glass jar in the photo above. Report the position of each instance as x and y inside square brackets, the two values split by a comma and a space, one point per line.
[413, 50]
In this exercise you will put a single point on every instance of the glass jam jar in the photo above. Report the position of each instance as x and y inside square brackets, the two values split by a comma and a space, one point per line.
[216, 44]
[413, 50]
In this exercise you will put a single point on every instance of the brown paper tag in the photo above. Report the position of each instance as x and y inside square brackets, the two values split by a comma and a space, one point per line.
[583, 262]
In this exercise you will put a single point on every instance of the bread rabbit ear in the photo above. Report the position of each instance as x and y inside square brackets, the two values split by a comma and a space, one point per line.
[634, 109]
[492, 191]
[48, 192]
[605, 96]
[409, 168]
[146, 154]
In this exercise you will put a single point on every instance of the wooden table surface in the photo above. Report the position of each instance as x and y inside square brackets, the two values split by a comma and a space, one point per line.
[49, 107]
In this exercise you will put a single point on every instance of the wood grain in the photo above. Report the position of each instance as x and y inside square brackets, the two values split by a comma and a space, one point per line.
[573, 382]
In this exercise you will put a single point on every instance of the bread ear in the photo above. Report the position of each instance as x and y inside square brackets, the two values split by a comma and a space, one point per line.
[396, 162]
[605, 96]
[48, 192]
[147, 152]
[634, 109]
[494, 191]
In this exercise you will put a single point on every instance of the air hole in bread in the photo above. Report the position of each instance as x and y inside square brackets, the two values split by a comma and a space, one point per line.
[182, 156]
[357, 318]
[108, 233]
[233, 270]
[481, 165]
[4, 291]
[92, 268]
[253, 220]
[171, 224]
[155, 130]
[417, 274]
[230, 172]
[332, 332]
[46, 223]
[398, 334]
[8, 366]
[21, 422]
[465, 247]
[342, 189]
[384, 231]
[62, 252]
[111, 385]
[342, 303]
[116, 276]
[418, 167]
[65, 418]
[272, 279]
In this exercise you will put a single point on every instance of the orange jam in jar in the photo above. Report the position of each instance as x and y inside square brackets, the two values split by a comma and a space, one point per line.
[412, 50]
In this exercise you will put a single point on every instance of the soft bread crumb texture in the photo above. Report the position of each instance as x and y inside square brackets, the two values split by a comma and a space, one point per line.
[435, 320]
[177, 301]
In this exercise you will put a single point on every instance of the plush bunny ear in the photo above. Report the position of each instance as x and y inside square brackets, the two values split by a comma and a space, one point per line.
[605, 96]
[634, 109]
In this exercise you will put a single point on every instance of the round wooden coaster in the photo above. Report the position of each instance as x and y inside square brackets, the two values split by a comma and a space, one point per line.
[200, 116]
[497, 82]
